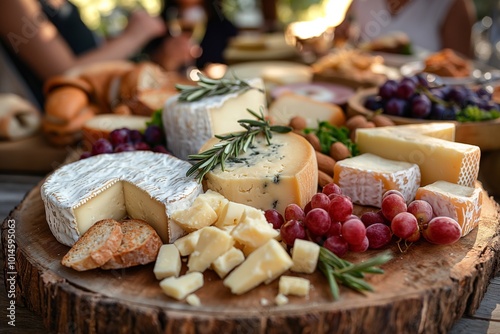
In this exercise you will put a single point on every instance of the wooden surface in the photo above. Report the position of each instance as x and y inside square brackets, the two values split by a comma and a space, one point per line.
[486, 135]
[418, 292]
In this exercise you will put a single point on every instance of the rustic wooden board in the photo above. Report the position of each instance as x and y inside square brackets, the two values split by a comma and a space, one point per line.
[425, 289]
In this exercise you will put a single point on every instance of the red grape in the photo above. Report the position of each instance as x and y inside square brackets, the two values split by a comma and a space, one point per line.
[378, 235]
[142, 146]
[415, 236]
[85, 155]
[307, 208]
[405, 89]
[102, 146]
[291, 230]
[125, 147]
[136, 136]
[420, 106]
[442, 231]
[395, 107]
[318, 221]
[275, 218]
[160, 149]
[370, 218]
[388, 89]
[340, 208]
[393, 191]
[294, 212]
[335, 229]
[404, 225]
[154, 135]
[353, 231]
[320, 200]
[119, 136]
[422, 210]
[392, 205]
[362, 247]
[336, 245]
[332, 188]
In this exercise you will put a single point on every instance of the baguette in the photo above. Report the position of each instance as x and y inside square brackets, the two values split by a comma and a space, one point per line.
[140, 245]
[95, 247]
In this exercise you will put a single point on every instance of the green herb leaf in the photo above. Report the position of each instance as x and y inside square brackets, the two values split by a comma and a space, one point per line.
[206, 87]
[475, 114]
[233, 144]
[351, 275]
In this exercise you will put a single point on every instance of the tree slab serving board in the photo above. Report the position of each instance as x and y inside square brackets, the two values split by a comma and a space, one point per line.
[424, 290]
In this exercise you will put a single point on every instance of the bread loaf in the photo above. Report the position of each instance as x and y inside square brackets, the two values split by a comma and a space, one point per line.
[95, 247]
[140, 245]
[18, 117]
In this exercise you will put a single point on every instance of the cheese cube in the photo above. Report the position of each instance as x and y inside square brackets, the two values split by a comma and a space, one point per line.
[268, 176]
[211, 244]
[281, 299]
[197, 216]
[253, 232]
[186, 244]
[452, 200]
[228, 261]
[297, 286]
[168, 263]
[214, 199]
[193, 300]
[231, 214]
[305, 256]
[262, 266]
[438, 159]
[365, 178]
[180, 287]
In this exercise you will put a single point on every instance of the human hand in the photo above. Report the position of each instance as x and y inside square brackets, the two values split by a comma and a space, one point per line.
[143, 27]
[176, 52]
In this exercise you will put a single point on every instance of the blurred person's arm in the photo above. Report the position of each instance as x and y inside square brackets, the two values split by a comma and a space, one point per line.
[457, 27]
[37, 42]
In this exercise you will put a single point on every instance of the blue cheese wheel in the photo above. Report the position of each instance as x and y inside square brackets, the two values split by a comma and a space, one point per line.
[267, 176]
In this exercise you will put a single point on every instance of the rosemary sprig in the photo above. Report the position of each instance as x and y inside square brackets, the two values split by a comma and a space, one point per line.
[207, 87]
[233, 144]
[351, 275]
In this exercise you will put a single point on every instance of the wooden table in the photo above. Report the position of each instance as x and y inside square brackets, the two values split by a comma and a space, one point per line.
[14, 187]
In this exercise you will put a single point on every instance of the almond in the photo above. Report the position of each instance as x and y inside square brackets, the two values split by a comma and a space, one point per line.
[325, 163]
[324, 179]
[314, 141]
[298, 123]
[338, 151]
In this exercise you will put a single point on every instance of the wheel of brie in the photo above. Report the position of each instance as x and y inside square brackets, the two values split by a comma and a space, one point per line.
[141, 185]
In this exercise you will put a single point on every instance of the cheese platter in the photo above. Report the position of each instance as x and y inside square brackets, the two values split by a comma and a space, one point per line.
[263, 230]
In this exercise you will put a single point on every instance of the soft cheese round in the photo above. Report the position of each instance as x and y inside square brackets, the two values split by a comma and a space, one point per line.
[188, 125]
[143, 184]
[268, 176]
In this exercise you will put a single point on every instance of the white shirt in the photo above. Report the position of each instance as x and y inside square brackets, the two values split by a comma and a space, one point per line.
[421, 20]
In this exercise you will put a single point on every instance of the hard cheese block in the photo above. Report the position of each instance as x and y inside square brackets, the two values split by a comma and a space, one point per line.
[142, 185]
[268, 176]
[451, 200]
[366, 177]
[438, 159]
[188, 125]
[441, 130]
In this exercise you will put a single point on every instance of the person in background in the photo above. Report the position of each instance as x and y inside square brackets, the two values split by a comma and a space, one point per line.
[47, 37]
[429, 24]
[202, 32]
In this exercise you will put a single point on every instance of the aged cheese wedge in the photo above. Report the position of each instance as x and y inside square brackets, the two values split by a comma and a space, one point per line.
[186, 244]
[305, 256]
[441, 130]
[211, 244]
[451, 200]
[168, 263]
[180, 287]
[190, 124]
[197, 216]
[262, 266]
[268, 176]
[297, 286]
[366, 177]
[438, 159]
[253, 231]
[142, 185]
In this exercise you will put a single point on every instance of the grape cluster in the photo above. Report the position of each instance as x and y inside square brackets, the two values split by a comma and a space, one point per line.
[125, 140]
[410, 222]
[328, 220]
[413, 97]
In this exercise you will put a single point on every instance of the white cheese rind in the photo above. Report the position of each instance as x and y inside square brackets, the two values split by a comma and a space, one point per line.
[366, 177]
[188, 125]
[161, 176]
[268, 176]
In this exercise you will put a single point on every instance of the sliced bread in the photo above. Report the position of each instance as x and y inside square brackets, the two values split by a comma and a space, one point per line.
[95, 247]
[140, 245]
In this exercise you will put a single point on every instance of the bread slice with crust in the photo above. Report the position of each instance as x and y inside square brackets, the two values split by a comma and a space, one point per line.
[140, 245]
[95, 247]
